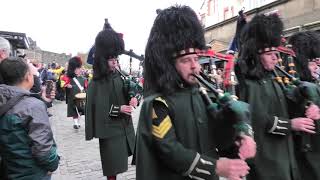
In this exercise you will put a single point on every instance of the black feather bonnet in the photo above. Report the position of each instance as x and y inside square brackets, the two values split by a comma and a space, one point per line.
[306, 46]
[74, 62]
[176, 31]
[108, 45]
[261, 34]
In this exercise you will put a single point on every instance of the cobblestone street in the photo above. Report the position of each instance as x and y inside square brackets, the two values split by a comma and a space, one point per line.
[80, 159]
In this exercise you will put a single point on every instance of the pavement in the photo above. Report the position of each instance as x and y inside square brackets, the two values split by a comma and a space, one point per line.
[80, 159]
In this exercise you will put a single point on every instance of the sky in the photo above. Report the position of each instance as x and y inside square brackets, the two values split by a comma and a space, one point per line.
[70, 26]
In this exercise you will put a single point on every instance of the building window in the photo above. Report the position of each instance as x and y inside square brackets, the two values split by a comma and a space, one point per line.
[203, 19]
[232, 11]
[209, 7]
[225, 13]
[215, 4]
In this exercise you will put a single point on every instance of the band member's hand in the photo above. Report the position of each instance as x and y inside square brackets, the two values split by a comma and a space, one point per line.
[44, 95]
[126, 109]
[133, 102]
[313, 112]
[232, 169]
[247, 147]
[303, 124]
[69, 86]
[49, 173]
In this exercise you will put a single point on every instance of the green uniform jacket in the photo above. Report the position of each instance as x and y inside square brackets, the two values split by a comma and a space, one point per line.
[270, 122]
[172, 149]
[103, 118]
[308, 158]
[71, 92]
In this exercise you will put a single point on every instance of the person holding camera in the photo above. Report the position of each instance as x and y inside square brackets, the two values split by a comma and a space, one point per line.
[26, 142]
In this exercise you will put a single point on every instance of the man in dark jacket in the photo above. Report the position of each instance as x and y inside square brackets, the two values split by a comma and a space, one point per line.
[26, 142]
[5, 49]
[176, 136]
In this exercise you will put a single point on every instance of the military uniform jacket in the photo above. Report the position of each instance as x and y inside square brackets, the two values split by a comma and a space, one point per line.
[307, 146]
[103, 118]
[270, 121]
[178, 145]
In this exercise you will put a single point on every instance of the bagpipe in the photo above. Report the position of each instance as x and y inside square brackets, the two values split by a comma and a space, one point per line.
[231, 118]
[131, 86]
[287, 76]
[133, 54]
[301, 94]
[285, 72]
[218, 68]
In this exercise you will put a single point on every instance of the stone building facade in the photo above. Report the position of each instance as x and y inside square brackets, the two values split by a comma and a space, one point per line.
[35, 53]
[23, 45]
[297, 15]
[46, 57]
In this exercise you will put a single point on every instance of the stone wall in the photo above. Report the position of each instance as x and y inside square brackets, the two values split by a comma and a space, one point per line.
[47, 57]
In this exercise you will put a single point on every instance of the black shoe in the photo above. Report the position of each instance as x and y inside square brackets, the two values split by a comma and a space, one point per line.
[75, 127]
[49, 114]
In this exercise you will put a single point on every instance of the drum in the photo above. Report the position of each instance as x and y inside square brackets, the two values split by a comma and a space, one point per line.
[80, 102]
